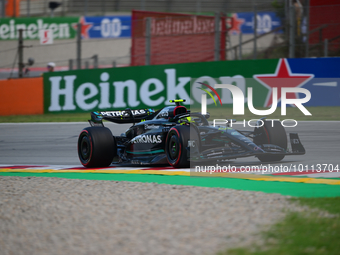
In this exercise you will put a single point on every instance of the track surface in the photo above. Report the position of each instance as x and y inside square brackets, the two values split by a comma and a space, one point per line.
[56, 143]
[77, 213]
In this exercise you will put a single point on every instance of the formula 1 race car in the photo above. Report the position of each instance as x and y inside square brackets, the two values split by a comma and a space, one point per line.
[173, 135]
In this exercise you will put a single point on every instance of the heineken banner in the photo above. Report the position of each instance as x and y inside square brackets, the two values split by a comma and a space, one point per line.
[154, 86]
[62, 28]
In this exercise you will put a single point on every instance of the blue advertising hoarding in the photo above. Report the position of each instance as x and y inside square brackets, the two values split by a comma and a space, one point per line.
[106, 27]
[120, 26]
[244, 22]
[325, 83]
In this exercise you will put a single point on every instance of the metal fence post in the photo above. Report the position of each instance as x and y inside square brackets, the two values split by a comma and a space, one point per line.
[87, 64]
[325, 48]
[198, 6]
[291, 32]
[79, 46]
[142, 4]
[70, 64]
[240, 45]
[63, 8]
[3, 8]
[117, 5]
[103, 7]
[95, 61]
[148, 41]
[217, 37]
[28, 7]
[86, 5]
[255, 33]
[307, 29]
[21, 54]
[320, 42]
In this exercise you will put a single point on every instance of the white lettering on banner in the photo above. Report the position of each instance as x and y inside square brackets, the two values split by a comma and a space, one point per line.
[81, 97]
[129, 89]
[4, 29]
[105, 28]
[11, 31]
[110, 28]
[104, 91]
[56, 92]
[151, 93]
[41, 25]
[54, 29]
[11, 25]
[32, 30]
[186, 25]
[132, 93]
[116, 27]
[64, 30]
[146, 94]
[172, 89]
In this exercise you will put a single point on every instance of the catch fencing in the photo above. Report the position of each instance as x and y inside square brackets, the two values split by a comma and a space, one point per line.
[168, 38]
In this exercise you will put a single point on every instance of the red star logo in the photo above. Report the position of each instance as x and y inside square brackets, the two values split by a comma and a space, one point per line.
[85, 27]
[234, 24]
[282, 78]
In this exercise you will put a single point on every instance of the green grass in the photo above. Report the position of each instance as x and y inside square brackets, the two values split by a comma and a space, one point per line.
[318, 113]
[331, 205]
[301, 233]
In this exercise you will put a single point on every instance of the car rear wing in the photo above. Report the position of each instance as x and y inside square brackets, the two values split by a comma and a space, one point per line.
[123, 116]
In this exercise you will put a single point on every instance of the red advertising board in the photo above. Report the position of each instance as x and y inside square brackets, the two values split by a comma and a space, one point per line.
[325, 13]
[175, 38]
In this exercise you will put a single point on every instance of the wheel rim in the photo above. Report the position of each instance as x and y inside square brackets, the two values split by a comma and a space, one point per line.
[85, 148]
[173, 147]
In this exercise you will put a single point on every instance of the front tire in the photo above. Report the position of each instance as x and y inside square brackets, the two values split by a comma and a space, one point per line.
[96, 147]
[271, 134]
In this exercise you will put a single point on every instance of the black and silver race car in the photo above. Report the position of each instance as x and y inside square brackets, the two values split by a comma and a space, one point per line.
[173, 135]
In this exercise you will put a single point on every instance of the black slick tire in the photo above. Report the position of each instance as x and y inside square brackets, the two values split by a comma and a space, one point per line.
[96, 147]
[175, 146]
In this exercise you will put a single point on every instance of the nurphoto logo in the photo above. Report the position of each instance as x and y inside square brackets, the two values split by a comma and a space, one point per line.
[239, 100]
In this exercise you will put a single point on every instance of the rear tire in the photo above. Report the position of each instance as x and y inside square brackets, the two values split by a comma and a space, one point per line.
[271, 134]
[96, 147]
[175, 146]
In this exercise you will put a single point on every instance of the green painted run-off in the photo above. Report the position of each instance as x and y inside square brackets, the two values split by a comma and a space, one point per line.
[284, 188]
